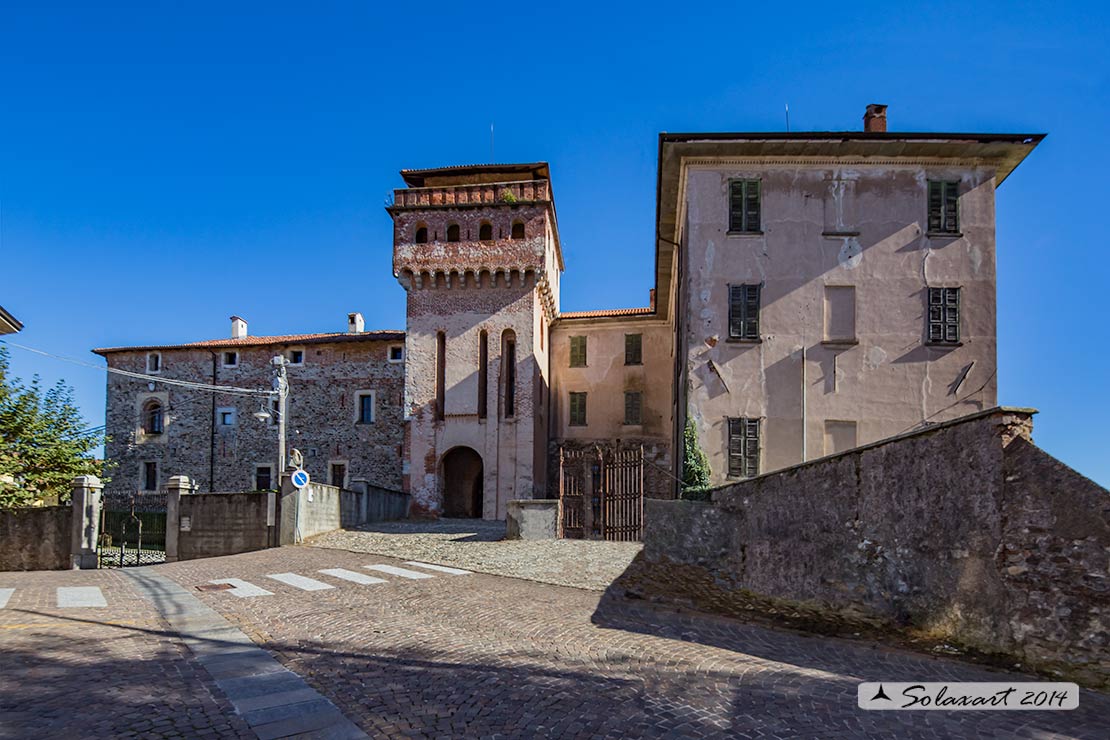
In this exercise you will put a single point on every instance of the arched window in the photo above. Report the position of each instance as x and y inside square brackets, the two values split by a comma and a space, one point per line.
[453, 233]
[152, 418]
[421, 234]
[518, 229]
[485, 232]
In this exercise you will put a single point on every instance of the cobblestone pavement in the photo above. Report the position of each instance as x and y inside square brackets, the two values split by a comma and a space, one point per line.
[486, 656]
[478, 545]
[111, 671]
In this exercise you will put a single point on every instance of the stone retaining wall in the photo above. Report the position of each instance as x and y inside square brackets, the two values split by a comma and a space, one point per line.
[964, 531]
[36, 538]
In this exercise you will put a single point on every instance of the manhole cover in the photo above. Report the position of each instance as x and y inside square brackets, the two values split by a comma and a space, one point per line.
[214, 587]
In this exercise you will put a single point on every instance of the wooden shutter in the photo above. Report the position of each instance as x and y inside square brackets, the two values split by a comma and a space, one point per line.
[578, 409]
[743, 311]
[578, 351]
[633, 407]
[736, 205]
[735, 448]
[633, 349]
[751, 447]
[751, 312]
[951, 192]
[936, 206]
[944, 315]
[751, 205]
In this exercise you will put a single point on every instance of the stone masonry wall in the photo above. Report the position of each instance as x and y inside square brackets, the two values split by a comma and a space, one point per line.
[965, 532]
[322, 415]
[36, 538]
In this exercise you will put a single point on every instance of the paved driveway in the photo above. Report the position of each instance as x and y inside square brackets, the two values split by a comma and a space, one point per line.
[442, 654]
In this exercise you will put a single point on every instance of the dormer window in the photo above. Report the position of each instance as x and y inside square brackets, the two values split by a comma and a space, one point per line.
[421, 235]
[485, 232]
[453, 233]
[154, 362]
[518, 230]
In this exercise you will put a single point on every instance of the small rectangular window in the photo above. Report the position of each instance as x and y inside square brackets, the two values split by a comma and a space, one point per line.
[365, 408]
[577, 409]
[743, 206]
[337, 475]
[944, 216]
[296, 357]
[154, 362]
[275, 410]
[743, 311]
[633, 349]
[397, 353]
[944, 315]
[263, 478]
[225, 417]
[231, 359]
[509, 358]
[150, 476]
[743, 447]
[633, 408]
[578, 351]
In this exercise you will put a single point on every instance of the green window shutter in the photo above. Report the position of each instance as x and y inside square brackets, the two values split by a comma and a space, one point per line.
[735, 448]
[743, 311]
[944, 315]
[578, 351]
[751, 447]
[751, 312]
[633, 349]
[578, 409]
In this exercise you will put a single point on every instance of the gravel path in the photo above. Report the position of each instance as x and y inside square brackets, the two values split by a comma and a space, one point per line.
[478, 545]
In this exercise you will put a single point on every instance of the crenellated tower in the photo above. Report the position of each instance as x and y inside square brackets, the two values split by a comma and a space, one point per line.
[477, 251]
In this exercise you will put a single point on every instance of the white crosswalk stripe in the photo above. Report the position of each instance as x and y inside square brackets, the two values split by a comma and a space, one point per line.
[350, 575]
[440, 568]
[304, 583]
[80, 596]
[242, 589]
[395, 571]
[5, 594]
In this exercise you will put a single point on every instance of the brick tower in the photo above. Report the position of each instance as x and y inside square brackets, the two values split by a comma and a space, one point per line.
[477, 251]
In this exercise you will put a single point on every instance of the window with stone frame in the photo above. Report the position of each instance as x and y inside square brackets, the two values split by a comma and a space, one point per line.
[154, 362]
[365, 408]
[577, 409]
[518, 230]
[453, 232]
[231, 359]
[944, 316]
[633, 349]
[263, 477]
[633, 408]
[153, 418]
[578, 351]
[743, 447]
[744, 207]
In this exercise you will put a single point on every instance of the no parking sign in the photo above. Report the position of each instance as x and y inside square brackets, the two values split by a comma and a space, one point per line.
[299, 478]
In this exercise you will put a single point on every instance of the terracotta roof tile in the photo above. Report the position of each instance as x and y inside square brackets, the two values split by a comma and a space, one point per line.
[642, 311]
[366, 336]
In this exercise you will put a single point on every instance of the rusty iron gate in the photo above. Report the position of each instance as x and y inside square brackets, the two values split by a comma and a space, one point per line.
[601, 494]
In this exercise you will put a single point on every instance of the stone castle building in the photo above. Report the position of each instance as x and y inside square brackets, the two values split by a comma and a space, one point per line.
[813, 292]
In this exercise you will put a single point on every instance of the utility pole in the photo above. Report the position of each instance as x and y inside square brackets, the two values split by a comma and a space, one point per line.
[281, 386]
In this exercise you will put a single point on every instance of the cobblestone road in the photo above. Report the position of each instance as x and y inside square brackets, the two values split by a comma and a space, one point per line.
[478, 545]
[485, 656]
[113, 671]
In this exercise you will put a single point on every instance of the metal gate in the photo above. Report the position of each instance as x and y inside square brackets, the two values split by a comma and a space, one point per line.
[132, 528]
[601, 494]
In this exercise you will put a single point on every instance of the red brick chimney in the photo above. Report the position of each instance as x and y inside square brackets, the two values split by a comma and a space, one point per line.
[874, 120]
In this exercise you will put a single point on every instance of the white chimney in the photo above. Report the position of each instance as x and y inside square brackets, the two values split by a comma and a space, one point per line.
[355, 324]
[238, 327]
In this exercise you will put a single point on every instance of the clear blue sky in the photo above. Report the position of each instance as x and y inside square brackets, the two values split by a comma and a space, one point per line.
[165, 165]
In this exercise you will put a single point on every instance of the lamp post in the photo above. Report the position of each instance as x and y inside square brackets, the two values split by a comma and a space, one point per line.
[281, 387]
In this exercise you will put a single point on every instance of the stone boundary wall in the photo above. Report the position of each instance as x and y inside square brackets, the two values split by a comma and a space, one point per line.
[964, 531]
[36, 538]
[215, 524]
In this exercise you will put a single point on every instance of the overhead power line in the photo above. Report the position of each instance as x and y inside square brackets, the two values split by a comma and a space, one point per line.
[191, 385]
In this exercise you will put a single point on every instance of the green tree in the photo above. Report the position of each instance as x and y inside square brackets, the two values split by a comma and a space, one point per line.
[695, 464]
[43, 443]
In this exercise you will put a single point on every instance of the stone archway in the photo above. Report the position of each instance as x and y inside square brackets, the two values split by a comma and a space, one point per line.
[462, 483]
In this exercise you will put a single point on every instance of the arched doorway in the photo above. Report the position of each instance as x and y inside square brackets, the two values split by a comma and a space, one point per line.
[462, 483]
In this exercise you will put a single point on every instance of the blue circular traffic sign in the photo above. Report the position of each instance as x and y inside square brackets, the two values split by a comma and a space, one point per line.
[300, 478]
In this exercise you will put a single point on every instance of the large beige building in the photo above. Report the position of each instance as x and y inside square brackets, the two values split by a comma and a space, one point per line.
[813, 292]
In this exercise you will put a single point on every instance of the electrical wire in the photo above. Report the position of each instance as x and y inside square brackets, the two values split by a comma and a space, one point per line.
[191, 385]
